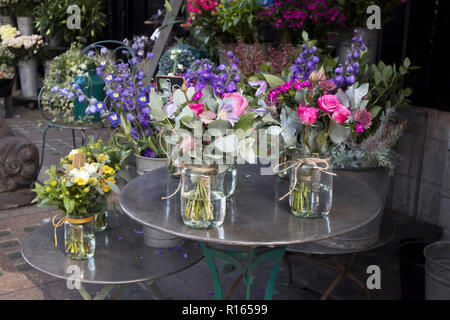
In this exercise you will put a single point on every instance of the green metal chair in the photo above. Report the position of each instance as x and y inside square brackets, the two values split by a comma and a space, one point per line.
[120, 51]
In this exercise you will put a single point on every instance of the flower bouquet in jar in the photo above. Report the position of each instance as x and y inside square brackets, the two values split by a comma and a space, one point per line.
[206, 133]
[78, 189]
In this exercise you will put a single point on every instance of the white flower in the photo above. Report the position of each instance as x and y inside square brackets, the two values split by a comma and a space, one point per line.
[180, 67]
[91, 168]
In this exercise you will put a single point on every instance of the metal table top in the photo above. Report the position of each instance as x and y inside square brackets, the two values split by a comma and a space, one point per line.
[387, 234]
[254, 215]
[121, 255]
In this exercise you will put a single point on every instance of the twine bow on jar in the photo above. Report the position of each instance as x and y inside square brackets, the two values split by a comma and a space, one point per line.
[63, 219]
[297, 163]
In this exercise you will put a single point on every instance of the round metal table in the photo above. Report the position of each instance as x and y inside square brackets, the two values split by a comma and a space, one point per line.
[254, 219]
[120, 258]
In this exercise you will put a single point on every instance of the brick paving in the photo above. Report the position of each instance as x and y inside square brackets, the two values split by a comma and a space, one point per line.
[19, 281]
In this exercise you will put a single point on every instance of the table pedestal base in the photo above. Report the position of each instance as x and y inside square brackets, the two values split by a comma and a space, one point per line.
[255, 257]
[108, 288]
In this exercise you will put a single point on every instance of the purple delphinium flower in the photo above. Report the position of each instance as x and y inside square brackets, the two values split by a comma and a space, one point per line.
[305, 63]
[346, 73]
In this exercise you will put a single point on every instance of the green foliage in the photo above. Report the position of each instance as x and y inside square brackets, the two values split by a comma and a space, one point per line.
[63, 71]
[51, 19]
[238, 19]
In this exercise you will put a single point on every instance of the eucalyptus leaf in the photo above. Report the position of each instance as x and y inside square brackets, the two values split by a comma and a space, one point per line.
[339, 133]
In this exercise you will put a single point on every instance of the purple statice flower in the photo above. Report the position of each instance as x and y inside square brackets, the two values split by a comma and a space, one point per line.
[104, 51]
[91, 54]
[91, 109]
[346, 74]
[305, 63]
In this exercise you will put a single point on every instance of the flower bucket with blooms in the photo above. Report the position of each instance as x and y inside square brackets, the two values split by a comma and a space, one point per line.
[128, 89]
[78, 189]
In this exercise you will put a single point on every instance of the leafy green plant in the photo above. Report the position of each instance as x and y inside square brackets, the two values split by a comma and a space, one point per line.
[51, 19]
[238, 18]
[63, 71]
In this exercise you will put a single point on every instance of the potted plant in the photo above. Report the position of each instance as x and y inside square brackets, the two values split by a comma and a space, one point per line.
[51, 21]
[290, 18]
[58, 97]
[78, 189]
[26, 49]
[7, 72]
[23, 10]
[7, 12]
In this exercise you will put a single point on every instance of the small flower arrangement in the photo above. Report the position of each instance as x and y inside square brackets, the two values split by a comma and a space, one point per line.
[7, 63]
[77, 191]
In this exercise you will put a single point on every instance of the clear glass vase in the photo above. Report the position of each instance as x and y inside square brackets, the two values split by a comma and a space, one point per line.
[203, 196]
[79, 237]
[101, 221]
[311, 188]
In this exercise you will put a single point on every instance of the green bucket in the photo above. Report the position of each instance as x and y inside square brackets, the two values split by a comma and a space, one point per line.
[92, 86]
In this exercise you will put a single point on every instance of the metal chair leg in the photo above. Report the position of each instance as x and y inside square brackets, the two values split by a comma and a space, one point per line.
[43, 148]
[73, 139]
[83, 138]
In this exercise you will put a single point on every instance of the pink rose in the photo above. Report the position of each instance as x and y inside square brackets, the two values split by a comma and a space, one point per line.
[197, 108]
[328, 103]
[307, 114]
[240, 104]
[341, 114]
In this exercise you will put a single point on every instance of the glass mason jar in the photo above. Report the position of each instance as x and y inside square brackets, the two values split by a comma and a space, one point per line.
[203, 196]
[311, 188]
[230, 179]
[79, 237]
[101, 220]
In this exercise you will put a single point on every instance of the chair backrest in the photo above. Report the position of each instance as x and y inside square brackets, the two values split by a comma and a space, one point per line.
[118, 49]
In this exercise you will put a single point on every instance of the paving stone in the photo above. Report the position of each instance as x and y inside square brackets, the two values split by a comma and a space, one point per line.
[1, 272]
[9, 243]
[31, 228]
[14, 254]
[5, 232]
[22, 266]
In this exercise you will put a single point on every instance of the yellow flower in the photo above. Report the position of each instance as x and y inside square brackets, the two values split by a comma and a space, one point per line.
[100, 140]
[93, 181]
[80, 151]
[48, 189]
[79, 181]
[53, 183]
[63, 181]
[105, 188]
[111, 179]
[77, 196]
[108, 170]
[88, 153]
[67, 193]
[86, 190]
[103, 157]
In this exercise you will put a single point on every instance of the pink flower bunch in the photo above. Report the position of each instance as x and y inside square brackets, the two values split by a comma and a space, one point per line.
[295, 14]
[307, 114]
[274, 94]
[330, 104]
[199, 6]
